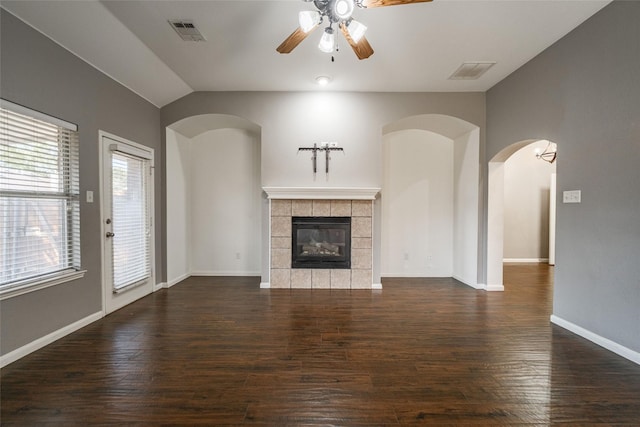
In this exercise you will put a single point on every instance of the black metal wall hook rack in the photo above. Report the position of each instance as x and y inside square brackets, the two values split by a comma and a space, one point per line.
[314, 158]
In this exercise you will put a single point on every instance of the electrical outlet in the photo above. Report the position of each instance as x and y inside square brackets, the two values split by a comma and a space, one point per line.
[572, 196]
[406, 256]
[237, 255]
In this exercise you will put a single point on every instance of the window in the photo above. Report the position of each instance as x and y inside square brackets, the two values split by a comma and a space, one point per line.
[130, 216]
[39, 200]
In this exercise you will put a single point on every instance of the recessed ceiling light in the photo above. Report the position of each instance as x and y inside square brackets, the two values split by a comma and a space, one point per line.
[323, 80]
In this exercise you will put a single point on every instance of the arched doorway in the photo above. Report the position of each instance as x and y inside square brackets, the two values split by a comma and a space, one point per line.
[214, 224]
[430, 202]
[496, 212]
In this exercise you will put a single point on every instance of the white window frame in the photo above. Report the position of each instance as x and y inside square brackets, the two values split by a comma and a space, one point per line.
[34, 283]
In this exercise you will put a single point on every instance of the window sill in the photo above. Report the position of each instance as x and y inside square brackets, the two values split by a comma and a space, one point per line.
[40, 283]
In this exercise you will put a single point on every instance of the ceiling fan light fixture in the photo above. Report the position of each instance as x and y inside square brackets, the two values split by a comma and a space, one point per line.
[327, 41]
[356, 30]
[308, 19]
[343, 9]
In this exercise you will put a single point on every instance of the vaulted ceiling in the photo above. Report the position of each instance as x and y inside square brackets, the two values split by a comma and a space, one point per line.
[417, 46]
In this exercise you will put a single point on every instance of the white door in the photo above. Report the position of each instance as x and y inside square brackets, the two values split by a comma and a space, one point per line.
[127, 222]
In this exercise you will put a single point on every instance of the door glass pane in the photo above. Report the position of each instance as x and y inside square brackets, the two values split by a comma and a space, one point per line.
[130, 218]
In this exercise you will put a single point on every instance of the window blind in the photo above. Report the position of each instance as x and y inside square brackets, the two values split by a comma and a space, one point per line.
[39, 196]
[130, 215]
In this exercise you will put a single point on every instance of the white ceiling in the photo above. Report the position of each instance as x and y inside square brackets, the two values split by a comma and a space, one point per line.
[417, 46]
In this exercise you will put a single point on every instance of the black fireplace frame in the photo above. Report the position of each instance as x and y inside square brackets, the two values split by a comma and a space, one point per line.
[320, 223]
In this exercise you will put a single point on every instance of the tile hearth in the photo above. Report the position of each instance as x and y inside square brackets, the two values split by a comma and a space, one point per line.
[360, 274]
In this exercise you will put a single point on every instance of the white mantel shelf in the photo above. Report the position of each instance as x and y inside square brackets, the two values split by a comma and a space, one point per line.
[321, 193]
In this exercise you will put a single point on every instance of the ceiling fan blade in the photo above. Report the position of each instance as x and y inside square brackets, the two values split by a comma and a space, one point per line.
[362, 49]
[294, 40]
[381, 3]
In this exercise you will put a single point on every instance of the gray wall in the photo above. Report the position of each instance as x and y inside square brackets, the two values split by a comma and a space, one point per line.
[584, 94]
[39, 74]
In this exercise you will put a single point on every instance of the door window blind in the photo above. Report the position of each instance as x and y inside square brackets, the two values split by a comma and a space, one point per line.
[130, 216]
[39, 196]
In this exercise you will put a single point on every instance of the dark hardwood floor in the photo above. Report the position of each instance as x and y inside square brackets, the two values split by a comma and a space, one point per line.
[221, 351]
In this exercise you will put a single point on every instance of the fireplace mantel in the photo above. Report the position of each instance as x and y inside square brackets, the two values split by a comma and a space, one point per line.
[321, 193]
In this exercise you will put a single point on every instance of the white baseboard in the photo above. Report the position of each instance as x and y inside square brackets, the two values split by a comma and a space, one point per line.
[265, 285]
[19, 353]
[226, 273]
[618, 349]
[481, 286]
[470, 284]
[376, 286]
[177, 280]
[159, 286]
[488, 288]
[532, 260]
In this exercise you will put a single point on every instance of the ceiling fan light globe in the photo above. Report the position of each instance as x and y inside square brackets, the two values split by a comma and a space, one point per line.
[356, 30]
[327, 41]
[343, 9]
[308, 19]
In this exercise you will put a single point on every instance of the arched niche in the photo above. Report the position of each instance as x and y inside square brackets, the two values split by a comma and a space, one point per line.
[463, 179]
[214, 197]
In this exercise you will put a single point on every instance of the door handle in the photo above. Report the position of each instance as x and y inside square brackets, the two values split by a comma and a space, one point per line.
[110, 234]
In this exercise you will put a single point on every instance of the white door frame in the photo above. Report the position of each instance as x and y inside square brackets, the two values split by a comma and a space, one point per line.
[495, 215]
[141, 291]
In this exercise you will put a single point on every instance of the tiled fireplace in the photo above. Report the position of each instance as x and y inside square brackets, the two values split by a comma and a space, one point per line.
[357, 205]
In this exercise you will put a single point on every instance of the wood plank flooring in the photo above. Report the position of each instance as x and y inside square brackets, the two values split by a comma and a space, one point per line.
[221, 351]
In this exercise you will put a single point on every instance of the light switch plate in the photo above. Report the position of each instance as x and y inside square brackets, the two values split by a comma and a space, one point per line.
[89, 196]
[572, 196]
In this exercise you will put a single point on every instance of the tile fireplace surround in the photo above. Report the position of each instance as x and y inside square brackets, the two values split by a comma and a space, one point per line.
[321, 202]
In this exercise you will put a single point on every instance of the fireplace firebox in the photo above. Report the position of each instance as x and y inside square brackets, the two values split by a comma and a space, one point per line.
[321, 242]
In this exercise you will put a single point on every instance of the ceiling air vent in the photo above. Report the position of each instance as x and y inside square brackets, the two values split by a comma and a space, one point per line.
[187, 30]
[471, 70]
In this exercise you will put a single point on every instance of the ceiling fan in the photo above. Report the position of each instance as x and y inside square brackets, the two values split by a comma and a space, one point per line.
[337, 12]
